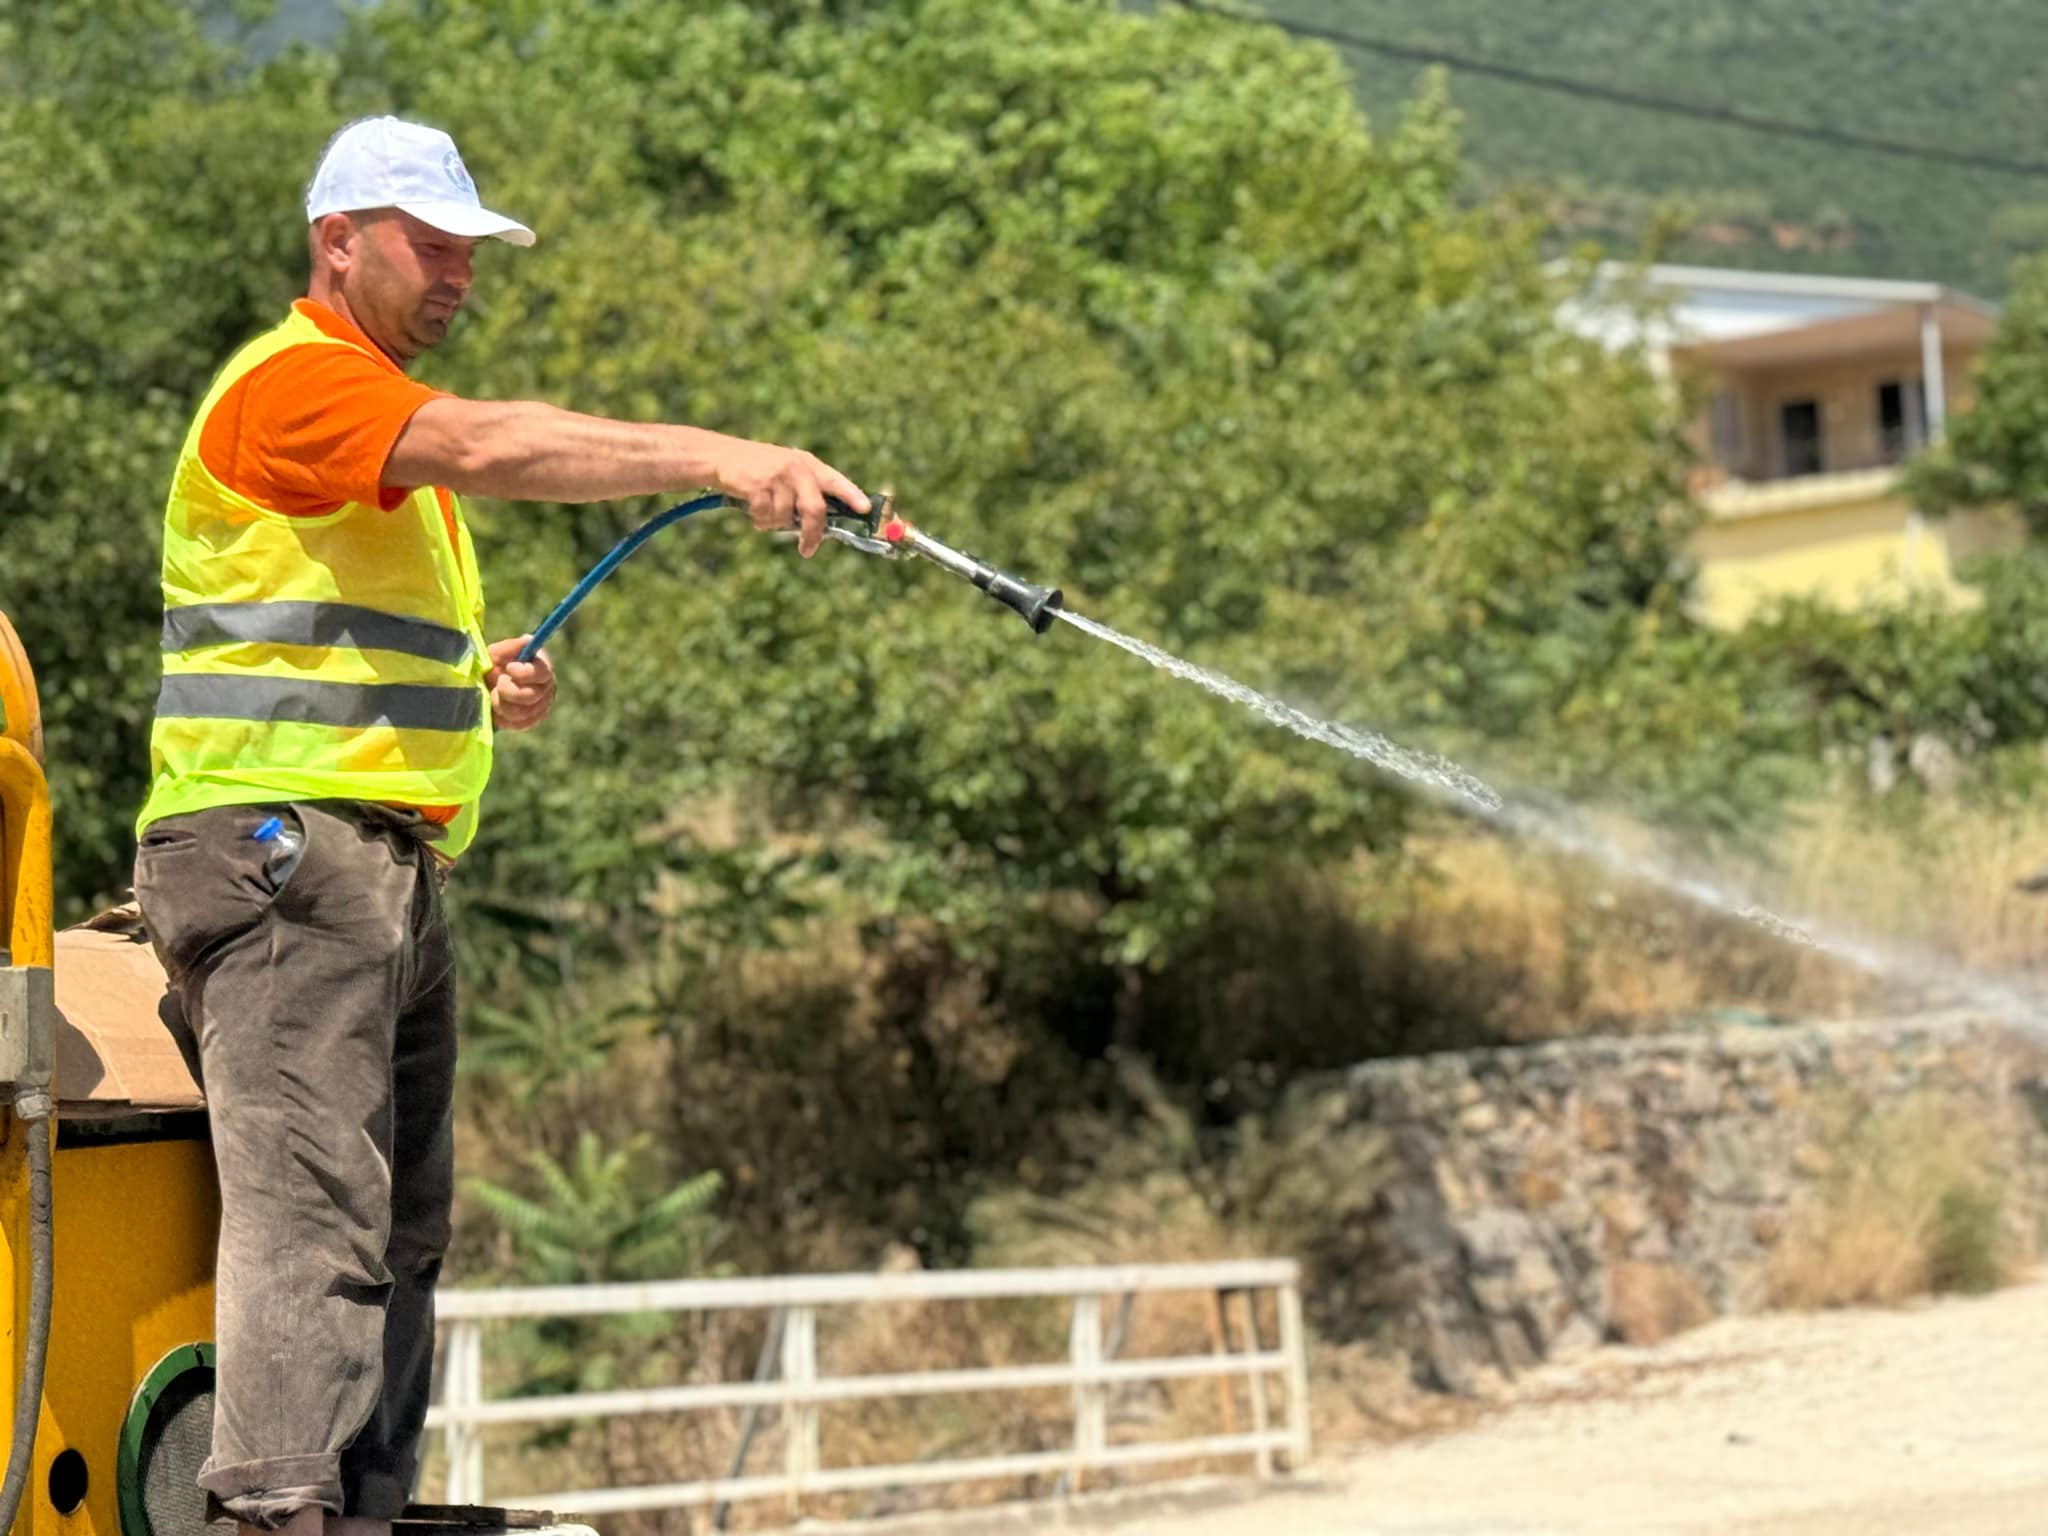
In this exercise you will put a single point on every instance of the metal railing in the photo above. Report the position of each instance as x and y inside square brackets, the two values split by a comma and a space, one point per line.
[794, 1302]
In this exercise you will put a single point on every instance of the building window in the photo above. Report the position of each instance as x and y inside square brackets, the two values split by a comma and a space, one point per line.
[1799, 430]
[1901, 419]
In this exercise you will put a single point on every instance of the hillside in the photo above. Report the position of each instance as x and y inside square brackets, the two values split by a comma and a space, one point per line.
[1962, 74]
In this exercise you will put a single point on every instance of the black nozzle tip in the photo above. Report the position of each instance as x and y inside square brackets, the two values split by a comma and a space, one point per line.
[1034, 604]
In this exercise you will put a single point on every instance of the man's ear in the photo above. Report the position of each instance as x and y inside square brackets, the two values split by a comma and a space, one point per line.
[336, 239]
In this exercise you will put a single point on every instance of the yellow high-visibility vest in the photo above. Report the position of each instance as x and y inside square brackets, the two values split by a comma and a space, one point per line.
[338, 657]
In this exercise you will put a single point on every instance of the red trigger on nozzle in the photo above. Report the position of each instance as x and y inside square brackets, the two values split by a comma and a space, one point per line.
[893, 530]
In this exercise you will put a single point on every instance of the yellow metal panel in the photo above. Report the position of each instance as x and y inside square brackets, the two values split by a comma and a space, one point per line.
[26, 929]
[136, 1222]
[14, 1278]
[21, 716]
[25, 856]
[136, 1226]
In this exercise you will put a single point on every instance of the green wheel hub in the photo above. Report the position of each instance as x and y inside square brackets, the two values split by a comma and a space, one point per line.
[171, 1384]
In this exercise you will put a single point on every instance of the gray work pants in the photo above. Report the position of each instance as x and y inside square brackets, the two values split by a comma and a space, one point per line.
[318, 1012]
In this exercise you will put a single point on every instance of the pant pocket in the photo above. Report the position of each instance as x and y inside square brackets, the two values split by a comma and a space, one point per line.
[200, 882]
[161, 839]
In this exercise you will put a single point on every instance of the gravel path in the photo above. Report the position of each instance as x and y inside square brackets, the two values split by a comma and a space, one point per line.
[1931, 1421]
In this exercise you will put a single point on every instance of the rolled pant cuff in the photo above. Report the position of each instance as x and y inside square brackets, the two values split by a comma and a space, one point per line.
[268, 1493]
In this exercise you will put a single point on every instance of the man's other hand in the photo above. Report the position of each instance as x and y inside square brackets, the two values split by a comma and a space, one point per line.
[522, 692]
[785, 488]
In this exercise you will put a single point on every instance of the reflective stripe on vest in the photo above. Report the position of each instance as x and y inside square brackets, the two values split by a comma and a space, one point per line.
[302, 623]
[402, 706]
[315, 658]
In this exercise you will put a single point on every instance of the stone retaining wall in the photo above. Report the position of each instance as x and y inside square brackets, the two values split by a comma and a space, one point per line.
[1542, 1199]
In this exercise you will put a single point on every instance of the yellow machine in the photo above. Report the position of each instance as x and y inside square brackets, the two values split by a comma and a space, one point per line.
[123, 1412]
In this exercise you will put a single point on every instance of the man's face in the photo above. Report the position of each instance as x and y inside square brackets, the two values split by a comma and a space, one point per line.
[408, 281]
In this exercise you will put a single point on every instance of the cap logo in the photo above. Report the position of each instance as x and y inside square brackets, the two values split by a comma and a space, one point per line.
[458, 174]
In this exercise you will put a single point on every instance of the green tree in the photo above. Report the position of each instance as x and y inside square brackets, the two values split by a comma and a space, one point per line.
[1136, 303]
[598, 1216]
[605, 1213]
[1997, 451]
[541, 1044]
[1886, 676]
[150, 187]
[1140, 304]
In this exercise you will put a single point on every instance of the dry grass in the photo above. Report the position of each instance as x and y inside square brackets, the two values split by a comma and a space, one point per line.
[1579, 949]
[1909, 1201]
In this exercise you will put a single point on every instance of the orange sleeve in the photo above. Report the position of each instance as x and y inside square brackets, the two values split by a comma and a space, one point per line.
[310, 429]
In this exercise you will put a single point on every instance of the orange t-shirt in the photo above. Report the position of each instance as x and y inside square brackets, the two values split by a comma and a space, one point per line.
[310, 430]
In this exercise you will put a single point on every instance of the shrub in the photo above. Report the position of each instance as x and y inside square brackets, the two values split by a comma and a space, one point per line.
[1911, 1202]
[1966, 1247]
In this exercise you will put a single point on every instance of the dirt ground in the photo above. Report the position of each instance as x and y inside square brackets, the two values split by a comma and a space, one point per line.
[1931, 1420]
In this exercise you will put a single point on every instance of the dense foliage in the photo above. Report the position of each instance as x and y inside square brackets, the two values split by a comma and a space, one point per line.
[1139, 304]
[827, 878]
[1960, 75]
[1997, 454]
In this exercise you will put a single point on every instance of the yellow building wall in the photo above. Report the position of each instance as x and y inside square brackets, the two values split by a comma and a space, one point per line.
[1846, 554]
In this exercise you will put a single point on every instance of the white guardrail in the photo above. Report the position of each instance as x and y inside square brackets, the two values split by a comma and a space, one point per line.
[794, 1302]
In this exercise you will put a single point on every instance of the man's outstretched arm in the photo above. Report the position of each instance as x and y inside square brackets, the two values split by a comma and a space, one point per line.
[524, 450]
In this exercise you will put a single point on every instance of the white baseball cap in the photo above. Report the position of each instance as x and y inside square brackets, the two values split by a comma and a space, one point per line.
[386, 162]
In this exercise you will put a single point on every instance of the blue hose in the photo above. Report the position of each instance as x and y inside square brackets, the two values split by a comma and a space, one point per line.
[611, 562]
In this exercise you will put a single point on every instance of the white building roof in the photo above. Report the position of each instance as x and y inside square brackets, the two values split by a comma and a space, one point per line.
[1718, 304]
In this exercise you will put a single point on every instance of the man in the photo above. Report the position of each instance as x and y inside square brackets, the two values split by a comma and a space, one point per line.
[322, 738]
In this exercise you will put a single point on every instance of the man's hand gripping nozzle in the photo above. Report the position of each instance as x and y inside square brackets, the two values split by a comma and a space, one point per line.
[880, 530]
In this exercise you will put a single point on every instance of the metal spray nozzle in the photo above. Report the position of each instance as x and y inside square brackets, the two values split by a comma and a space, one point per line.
[1034, 604]
[880, 531]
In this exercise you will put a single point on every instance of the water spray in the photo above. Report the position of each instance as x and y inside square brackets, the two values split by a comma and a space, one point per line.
[881, 532]
[1448, 784]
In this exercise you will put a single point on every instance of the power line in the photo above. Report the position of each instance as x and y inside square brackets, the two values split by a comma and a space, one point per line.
[1699, 111]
